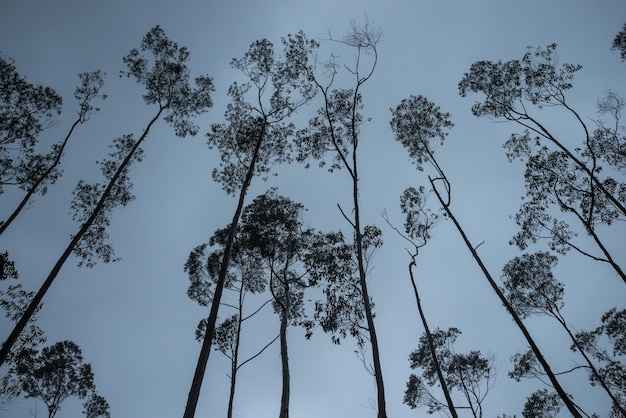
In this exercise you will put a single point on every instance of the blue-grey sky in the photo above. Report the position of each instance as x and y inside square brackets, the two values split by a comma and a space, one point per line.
[133, 319]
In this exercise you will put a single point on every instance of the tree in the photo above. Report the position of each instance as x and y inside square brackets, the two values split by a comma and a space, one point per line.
[336, 131]
[245, 276]
[418, 225]
[166, 80]
[25, 111]
[471, 374]
[570, 180]
[272, 229]
[55, 374]
[531, 289]
[254, 138]
[45, 170]
[416, 122]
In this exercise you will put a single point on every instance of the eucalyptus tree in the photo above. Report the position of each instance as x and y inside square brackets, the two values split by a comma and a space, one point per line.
[336, 130]
[245, 276]
[56, 373]
[272, 229]
[164, 73]
[420, 220]
[36, 172]
[470, 374]
[416, 123]
[531, 289]
[253, 139]
[25, 111]
[572, 180]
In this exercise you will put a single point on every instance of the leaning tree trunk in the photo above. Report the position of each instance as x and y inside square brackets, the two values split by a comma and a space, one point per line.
[203, 358]
[21, 324]
[546, 367]
[431, 346]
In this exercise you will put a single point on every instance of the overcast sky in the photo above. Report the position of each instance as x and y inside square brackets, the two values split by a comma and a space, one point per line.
[133, 319]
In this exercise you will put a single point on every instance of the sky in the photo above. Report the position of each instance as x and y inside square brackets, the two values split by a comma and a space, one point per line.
[133, 319]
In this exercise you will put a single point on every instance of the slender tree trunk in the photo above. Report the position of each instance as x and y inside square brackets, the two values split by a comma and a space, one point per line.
[235, 360]
[284, 357]
[21, 324]
[378, 374]
[431, 346]
[203, 358]
[38, 182]
[555, 383]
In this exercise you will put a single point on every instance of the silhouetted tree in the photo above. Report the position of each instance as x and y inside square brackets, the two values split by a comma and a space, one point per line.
[336, 130]
[25, 111]
[166, 78]
[55, 374]
[254, 138]
[43, 169]
[556, 176]
[416, 123]
[245, 276]
[419, 221]
[272, 228]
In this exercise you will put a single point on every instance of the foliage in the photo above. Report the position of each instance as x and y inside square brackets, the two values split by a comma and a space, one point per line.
[332, 265]
[93, 244]
[613, 370]
[167, 81]
[243, 139]
[415, 123]
[619, 42]
[53, 375]
[530, 286]
[542, 404]
[471, 374]
[25, 111]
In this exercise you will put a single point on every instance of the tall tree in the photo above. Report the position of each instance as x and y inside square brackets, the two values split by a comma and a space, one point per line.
[470, 374]
[420, 220]
[272, 227]
[254, 138]
[165, 76]
[416, 123]
[336, 130]
[42, 170]
[245, 276]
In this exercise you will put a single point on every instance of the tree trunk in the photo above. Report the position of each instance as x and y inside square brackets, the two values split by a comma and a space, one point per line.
[555, 383]
[431, 346]
[21, 324]
[378, 374]
[203, 358]
[284, 357]
[38, 182]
